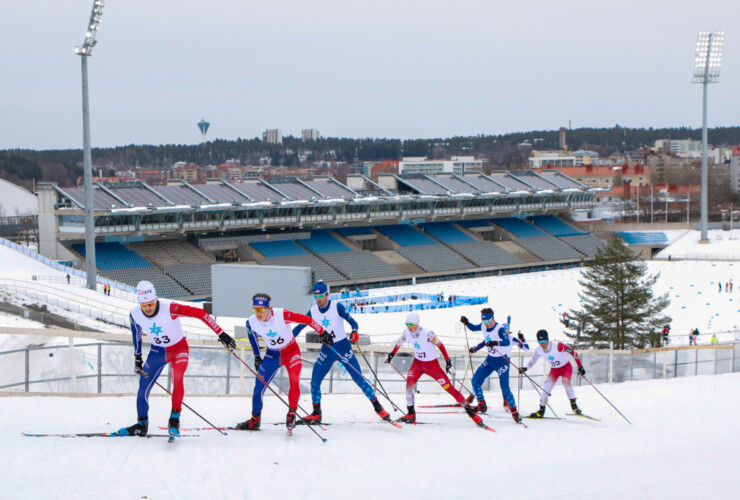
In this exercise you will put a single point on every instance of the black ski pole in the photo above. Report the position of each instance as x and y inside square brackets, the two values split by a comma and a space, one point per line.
[189, 408]
[256, 374]
[470, 356]
[384, 392]
[592, 385]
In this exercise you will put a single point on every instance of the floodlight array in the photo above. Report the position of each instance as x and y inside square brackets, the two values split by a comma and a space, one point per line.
[92, 30]
[708, 58]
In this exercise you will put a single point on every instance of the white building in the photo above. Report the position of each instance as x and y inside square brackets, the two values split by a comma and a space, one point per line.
[557, 159]
[310, 134]
[272, 136]
[455, 165]
[682, 147]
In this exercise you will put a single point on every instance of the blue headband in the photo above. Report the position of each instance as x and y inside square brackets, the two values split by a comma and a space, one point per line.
[486, 316]
[260, 302]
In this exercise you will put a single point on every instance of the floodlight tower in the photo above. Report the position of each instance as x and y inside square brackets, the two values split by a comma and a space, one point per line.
[203, 127]
[84, 52]
[707, 63]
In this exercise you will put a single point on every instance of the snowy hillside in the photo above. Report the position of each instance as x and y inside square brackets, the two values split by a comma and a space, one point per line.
[682, 445]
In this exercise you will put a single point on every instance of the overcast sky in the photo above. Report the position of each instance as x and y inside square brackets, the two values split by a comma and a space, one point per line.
[380, 68]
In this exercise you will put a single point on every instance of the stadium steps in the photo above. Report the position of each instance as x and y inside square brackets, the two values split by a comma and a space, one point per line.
[517, 251]
[470, 232]
[449, 249]
[398, 261]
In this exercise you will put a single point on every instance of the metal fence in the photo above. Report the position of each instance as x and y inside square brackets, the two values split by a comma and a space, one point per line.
[107, 368]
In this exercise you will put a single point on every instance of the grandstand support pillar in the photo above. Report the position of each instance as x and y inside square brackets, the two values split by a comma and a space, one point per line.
[87, 170]
[228, 373]
[242, 382]
[611, 362]
[100, 368]
[72, 371]
[28, 367]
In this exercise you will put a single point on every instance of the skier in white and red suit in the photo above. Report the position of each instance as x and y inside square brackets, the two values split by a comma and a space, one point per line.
[425, 343]
[160, 321]
[556, 354]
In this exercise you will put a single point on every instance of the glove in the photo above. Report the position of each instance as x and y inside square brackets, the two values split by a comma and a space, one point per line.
[326, 338]
[581, 371]
[353, 336]
[520, 335]
[472, 350]
[492, 343]
[464, 320]
[138, 364]
[448, 366]
[508, 319]
[257, 362]
[389, 358]
[227, 341]
[523, 369]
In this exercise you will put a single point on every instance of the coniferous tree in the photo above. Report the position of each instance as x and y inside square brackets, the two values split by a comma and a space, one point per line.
[617, 301]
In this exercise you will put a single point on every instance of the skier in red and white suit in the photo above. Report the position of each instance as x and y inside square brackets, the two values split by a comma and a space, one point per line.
[271, 324]
[425, 362]
[160, 321]
[556, 354]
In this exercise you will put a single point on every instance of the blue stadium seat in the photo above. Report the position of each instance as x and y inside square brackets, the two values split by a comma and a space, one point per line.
[323, 242]
[446, 232]
[114, 256]
[405, 236]
[519, 228]
[281, 248]
[554, 226]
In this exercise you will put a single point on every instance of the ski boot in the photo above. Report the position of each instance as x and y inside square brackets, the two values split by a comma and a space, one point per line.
[471, 413]
[315, 417]
[574, 407]
[482, 406]
[515, 415]
[410, 417]
[253, 424]
[140, 428]
[470, 398]
[539, 413]
[290, 420]
[174, 423]
[381, 411]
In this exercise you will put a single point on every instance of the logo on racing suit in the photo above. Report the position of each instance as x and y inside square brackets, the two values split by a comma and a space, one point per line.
[271, 333]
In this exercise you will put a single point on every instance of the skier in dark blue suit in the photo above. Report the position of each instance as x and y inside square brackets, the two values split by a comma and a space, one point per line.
[332, 315]
[499, 349]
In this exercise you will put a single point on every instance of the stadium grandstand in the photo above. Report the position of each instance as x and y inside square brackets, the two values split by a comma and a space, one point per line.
[398, 230]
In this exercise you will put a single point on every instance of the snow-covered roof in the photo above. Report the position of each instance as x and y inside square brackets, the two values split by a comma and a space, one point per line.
[14, 200]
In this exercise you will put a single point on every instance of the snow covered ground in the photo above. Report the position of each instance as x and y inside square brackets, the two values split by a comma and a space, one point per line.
[683, 444]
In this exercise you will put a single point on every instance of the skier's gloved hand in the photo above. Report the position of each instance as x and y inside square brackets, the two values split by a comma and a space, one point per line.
[464, 320]
[257, 362]
[581, 371]
[326, 338]
[138, 364]
[520, 336]
[508, 319]
[492, 343]
[390, 357]
[353, 336]
[226, 340]
[523, 369]
[472, 350]
[448, 366]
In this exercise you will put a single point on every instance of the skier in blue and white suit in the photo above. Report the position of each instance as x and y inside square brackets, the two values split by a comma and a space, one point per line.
[332, 315]
[499, 350]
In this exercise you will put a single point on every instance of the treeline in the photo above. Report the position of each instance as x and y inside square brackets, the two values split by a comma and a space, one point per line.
[26, 168]
[501, 151]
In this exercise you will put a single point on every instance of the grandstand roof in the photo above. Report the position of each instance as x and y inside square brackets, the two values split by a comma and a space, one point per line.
[326, 190]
